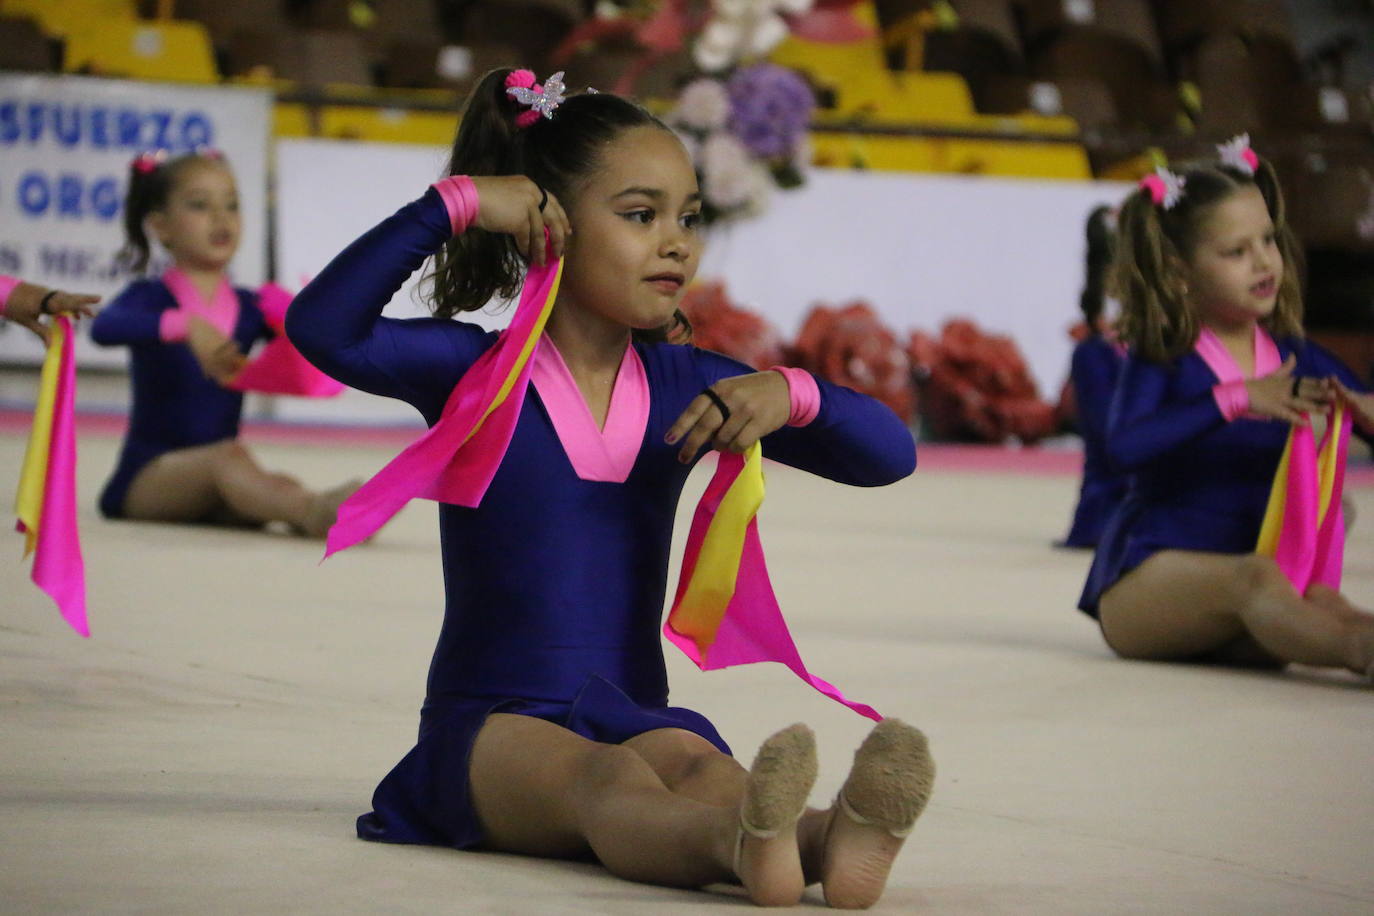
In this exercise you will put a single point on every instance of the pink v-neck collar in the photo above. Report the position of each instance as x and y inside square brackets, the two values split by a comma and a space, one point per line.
[1225, 368]
[604, 454]
[222, 310]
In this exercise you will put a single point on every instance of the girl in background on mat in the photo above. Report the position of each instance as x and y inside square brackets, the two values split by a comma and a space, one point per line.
[27, 303]
[546, 729]
[1217, 371]
[1093, 371]
[187, 332]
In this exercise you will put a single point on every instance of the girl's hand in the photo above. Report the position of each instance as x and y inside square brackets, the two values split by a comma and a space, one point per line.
[1274, 395]
[26, 298]
[1361, 406]
[219, 357]
[510, 204]
[759, 404]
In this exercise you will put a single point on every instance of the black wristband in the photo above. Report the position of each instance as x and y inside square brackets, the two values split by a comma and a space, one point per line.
[720, 405]
[43, 303]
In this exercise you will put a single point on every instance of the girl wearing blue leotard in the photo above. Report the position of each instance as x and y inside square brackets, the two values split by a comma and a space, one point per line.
[546, 728]
[1218, 370]
[1093, 371]
[187, 332]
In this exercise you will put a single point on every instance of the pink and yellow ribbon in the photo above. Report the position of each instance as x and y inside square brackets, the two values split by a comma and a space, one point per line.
[1304, 527]
[46, 502]
[725, 612]
[456, 459]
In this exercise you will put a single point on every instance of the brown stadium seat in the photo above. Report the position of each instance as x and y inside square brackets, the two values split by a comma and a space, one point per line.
[23, 46]
[1129, 21]
[1086, 101]
[1183, 23]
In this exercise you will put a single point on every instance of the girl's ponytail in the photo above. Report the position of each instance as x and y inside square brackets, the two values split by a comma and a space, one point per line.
[1155, 321]
[147, 192]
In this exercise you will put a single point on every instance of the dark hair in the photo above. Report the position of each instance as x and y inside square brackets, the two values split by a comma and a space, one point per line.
[151, 179]
[557, 154]
[1101, 238]
[1153, 243]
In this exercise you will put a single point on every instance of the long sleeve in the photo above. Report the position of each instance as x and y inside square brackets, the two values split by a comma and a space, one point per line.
[7, 285]
[854, 439]
[133, 317]
[336, 321]
[1094, 372]
[1143, 424]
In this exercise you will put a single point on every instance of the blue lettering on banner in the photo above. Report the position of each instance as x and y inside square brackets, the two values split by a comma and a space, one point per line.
[76, 264]
[69, 195]
[75, 124]
[11, 262]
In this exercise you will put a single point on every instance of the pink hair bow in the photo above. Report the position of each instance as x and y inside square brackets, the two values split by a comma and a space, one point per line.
[1164, 187]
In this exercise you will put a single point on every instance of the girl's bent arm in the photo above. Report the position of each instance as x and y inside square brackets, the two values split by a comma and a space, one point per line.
[853, 439]
[336, 321]
[1142, 426]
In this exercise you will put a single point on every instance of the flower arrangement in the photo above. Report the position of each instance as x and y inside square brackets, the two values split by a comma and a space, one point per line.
[747, 133]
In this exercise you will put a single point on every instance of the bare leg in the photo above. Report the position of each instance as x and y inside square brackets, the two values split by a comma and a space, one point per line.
[541, 790]
[221, 482]
[1185, 604]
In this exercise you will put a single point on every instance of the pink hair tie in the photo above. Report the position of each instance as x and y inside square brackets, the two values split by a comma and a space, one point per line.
[1237, 153]
[146, 162]
[1164, 187]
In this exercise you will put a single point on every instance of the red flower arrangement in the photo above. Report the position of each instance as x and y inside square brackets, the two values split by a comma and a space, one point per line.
[851, 346]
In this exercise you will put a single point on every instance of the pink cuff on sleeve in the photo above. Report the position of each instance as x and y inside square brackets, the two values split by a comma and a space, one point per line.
[460, 199]
[7, 285]
[1232, 398]
[172, 326]
[805, 394]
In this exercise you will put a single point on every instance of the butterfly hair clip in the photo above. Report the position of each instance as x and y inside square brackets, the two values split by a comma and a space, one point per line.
[541, 100]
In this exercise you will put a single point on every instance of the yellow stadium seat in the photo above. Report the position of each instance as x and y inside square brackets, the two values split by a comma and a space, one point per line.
[957, 156]
[168, 50]
[62, 17]
[387, 125]
[291, 120]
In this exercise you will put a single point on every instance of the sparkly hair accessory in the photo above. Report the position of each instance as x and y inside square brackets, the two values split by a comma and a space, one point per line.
[542, 100]
[1164, 187]
[1237, 153]
[149, 161]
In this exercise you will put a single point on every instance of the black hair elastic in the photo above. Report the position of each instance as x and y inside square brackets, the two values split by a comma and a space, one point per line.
[720, 405]
[1296, 381]
[543, 199]
[43, 303]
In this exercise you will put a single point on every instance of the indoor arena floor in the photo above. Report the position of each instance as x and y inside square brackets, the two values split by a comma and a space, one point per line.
[208, 749]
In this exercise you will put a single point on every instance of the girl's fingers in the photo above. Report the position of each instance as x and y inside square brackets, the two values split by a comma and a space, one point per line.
[699, 435]
[728, 430]
[688, 418]
[752, 432]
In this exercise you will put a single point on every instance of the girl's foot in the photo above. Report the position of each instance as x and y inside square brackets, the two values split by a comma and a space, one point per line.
[324, 509]
[767, 860]
[886, 791]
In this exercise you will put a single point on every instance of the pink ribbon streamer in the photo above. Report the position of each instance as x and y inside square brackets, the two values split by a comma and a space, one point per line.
[456, 459]
[58, 568]
[1311, 549]
[280, 368]
[753, 628]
